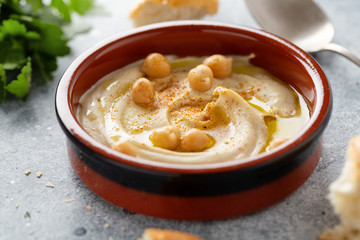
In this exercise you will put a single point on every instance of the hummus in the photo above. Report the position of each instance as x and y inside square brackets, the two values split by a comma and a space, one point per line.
[246, 113]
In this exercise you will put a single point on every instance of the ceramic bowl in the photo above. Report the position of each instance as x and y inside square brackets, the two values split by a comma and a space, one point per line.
[203, 191]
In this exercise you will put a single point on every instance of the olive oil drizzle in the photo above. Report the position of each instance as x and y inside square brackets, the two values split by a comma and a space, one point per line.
[185, 62]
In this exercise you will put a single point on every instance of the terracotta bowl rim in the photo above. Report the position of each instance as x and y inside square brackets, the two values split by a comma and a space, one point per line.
[320, 115]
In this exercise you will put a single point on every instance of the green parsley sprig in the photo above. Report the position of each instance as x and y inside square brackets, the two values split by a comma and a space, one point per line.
[31, 39]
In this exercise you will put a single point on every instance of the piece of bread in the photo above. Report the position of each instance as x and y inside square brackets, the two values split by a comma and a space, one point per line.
[345, 197]
[162, 234]
[152, 11]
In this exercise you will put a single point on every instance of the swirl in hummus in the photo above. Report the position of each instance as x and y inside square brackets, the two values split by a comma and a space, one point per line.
[158, 112]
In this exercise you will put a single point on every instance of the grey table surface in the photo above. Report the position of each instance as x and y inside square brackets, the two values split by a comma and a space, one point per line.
[30, 138]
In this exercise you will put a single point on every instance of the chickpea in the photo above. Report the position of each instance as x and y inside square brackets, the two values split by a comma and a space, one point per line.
[156, 65]
[201, 78]
[124, 147]
[194, 140]
[142, 92]
[166, 137]
[220, 65]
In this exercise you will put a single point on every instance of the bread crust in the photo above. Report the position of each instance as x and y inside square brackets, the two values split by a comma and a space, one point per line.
[345, 197]
[162, 234]
[151, 11]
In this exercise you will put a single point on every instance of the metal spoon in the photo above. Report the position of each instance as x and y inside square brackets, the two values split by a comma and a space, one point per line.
[299, 21]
